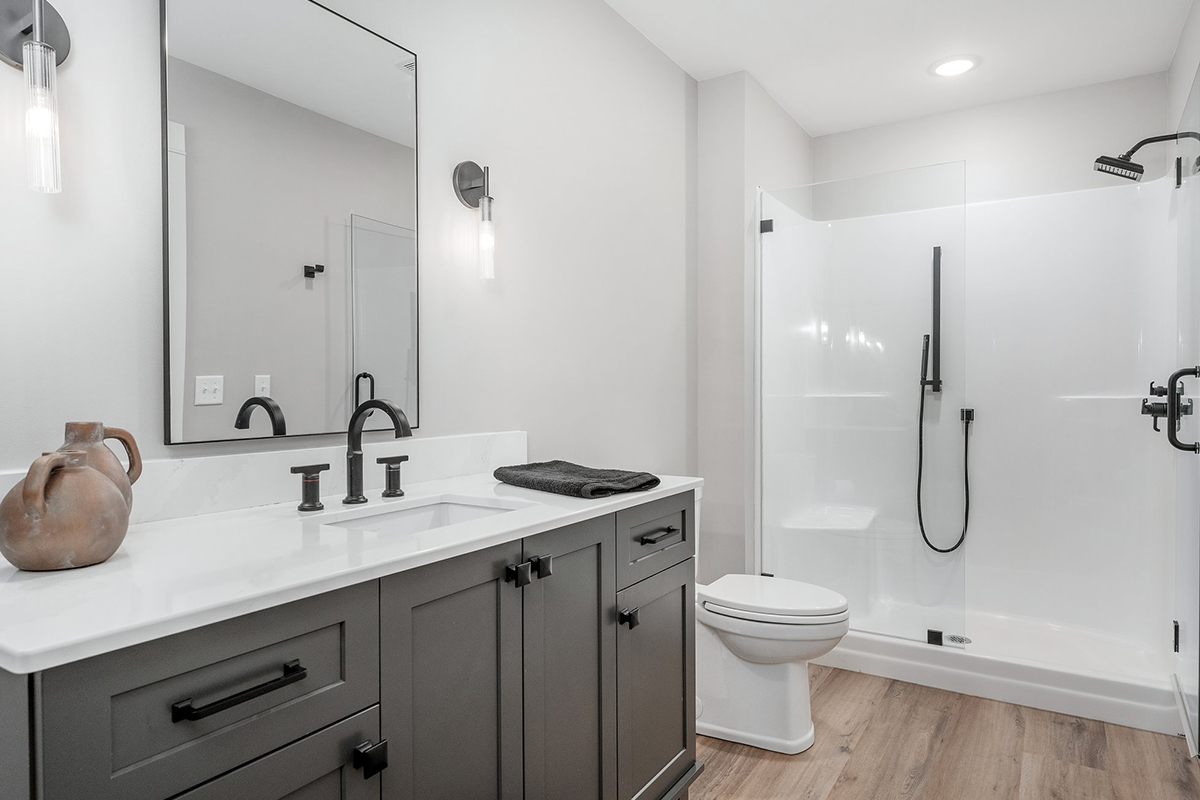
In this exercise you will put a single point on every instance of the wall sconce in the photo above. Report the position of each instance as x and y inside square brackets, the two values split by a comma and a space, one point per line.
[35, 39]
[472, 189]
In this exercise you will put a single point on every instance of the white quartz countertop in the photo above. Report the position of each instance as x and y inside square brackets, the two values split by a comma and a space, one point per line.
[176, 575]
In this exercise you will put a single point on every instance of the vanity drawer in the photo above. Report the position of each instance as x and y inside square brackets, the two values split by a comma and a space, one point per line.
[654, 536]
[150, 721]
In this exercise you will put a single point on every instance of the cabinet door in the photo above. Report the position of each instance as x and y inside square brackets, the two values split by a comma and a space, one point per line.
[570, 663]
[319, 767]
[656, 693]
[450, 648]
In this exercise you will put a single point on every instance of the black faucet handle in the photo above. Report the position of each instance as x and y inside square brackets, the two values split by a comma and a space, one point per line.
[310, 486]
[391, 475]
[391, 460]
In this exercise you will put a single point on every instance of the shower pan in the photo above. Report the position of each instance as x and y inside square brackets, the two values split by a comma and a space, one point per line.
[1046, 578]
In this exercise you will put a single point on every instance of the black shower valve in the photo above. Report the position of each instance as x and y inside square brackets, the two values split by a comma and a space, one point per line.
[967, 415]
[1157, 391]
[1156, 410]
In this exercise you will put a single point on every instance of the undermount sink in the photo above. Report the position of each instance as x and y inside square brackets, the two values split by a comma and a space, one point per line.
[437, 514]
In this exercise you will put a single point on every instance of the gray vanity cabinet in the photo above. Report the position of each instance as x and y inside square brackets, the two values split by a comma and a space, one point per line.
[557, 667]
[450, 690]
[570, 664]
[656, 660]
[318, 767]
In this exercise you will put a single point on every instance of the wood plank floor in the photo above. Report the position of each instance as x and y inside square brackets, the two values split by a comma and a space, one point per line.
[879, 739]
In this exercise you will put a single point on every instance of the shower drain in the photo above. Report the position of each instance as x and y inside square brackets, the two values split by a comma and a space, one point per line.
[954, 638]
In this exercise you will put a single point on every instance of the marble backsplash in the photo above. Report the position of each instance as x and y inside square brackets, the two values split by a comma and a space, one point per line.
[171, 488]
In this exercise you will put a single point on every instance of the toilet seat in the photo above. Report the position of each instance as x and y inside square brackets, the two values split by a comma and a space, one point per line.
[776, 619]
[761, 598]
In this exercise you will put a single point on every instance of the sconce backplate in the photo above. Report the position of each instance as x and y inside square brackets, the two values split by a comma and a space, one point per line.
[468, 183]
[16, 26]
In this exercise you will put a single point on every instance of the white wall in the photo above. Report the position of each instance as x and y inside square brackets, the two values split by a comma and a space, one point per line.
[1184, 65]
[1018, 148]
[745, 140]
[585, 338]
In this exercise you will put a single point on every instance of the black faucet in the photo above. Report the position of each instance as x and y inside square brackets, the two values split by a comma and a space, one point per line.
[354, 454]
[278, 425]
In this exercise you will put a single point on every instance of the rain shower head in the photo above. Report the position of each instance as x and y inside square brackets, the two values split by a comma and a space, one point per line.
[1121, 166]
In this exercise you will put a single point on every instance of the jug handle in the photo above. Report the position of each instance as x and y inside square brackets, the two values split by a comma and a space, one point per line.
[34, 493]
[131, 449]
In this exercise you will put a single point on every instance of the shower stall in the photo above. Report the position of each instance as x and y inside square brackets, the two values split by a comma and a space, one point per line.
[1049, 317]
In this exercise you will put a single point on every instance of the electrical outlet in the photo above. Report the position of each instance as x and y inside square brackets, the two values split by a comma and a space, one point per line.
[210, 390]
[262, 385]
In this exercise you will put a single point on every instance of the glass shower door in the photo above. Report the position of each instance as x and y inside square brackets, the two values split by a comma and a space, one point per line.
[1187, 465]
[847, 297]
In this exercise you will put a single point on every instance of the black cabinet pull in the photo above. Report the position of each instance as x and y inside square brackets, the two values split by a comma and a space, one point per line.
[543, 566]
[371, 758]
[292, 672]
[658, 536]
[520, 574]
[630, 617]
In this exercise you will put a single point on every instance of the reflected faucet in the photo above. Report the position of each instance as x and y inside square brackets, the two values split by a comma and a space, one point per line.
[278, 424]
[354, 454]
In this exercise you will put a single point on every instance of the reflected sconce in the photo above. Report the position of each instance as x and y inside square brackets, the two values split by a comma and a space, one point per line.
[472, 189]
[34, 38]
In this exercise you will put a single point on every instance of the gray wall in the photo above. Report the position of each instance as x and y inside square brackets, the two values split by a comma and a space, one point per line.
[1018, 148]
[746, 140]
[585, 337]
[270, 188]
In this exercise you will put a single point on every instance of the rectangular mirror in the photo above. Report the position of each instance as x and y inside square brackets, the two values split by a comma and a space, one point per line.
[290, 219]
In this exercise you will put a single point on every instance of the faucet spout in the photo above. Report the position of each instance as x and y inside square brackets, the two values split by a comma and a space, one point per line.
[278, 424]
[354, 454]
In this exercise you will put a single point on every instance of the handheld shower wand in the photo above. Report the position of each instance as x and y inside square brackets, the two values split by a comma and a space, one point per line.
[967, 415]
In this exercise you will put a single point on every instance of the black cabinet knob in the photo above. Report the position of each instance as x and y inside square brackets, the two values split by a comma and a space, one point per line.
[310, 486]
[520, 574]
[630, 617]
[543, 566]
[371, 758]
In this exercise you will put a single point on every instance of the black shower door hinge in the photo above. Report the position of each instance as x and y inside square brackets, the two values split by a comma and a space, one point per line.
[1178, 171]
[766, 226]
[1176, 636]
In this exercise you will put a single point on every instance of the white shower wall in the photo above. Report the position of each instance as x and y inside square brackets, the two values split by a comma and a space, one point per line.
[1070, 315]
[1054, 324]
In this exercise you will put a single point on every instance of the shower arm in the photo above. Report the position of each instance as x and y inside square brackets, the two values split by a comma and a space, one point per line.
[1170, 137]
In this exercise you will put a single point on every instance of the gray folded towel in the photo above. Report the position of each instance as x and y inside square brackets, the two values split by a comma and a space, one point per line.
[563, 477]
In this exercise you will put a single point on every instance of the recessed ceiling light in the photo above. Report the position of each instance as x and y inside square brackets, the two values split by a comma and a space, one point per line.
[956, 65]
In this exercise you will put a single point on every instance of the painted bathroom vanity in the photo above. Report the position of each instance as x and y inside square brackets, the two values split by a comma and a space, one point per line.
[469, 640]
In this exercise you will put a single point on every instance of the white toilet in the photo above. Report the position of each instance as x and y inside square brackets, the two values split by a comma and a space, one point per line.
[754, 638]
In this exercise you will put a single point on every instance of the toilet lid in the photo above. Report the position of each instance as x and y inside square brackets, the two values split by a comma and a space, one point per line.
[778, 597]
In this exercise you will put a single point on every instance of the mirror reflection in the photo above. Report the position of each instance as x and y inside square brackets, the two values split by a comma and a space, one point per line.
[291, 209]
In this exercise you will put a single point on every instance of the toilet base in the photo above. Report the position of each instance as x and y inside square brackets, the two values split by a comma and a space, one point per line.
[761, 705]
[787, 747]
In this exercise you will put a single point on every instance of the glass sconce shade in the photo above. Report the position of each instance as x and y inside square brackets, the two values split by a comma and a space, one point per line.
[487, 239]
[41, 117]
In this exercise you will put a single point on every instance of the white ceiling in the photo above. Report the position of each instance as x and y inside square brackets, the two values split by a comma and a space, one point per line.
[838, 65]
[301, 53]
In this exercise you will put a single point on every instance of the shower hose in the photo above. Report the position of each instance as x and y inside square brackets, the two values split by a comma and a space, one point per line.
[968, 416]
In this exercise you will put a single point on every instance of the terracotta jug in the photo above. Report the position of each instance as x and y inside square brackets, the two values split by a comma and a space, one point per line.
[89, 437]
[64, 514]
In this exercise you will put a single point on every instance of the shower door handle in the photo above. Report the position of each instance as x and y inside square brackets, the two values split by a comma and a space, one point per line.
[1175, 409]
